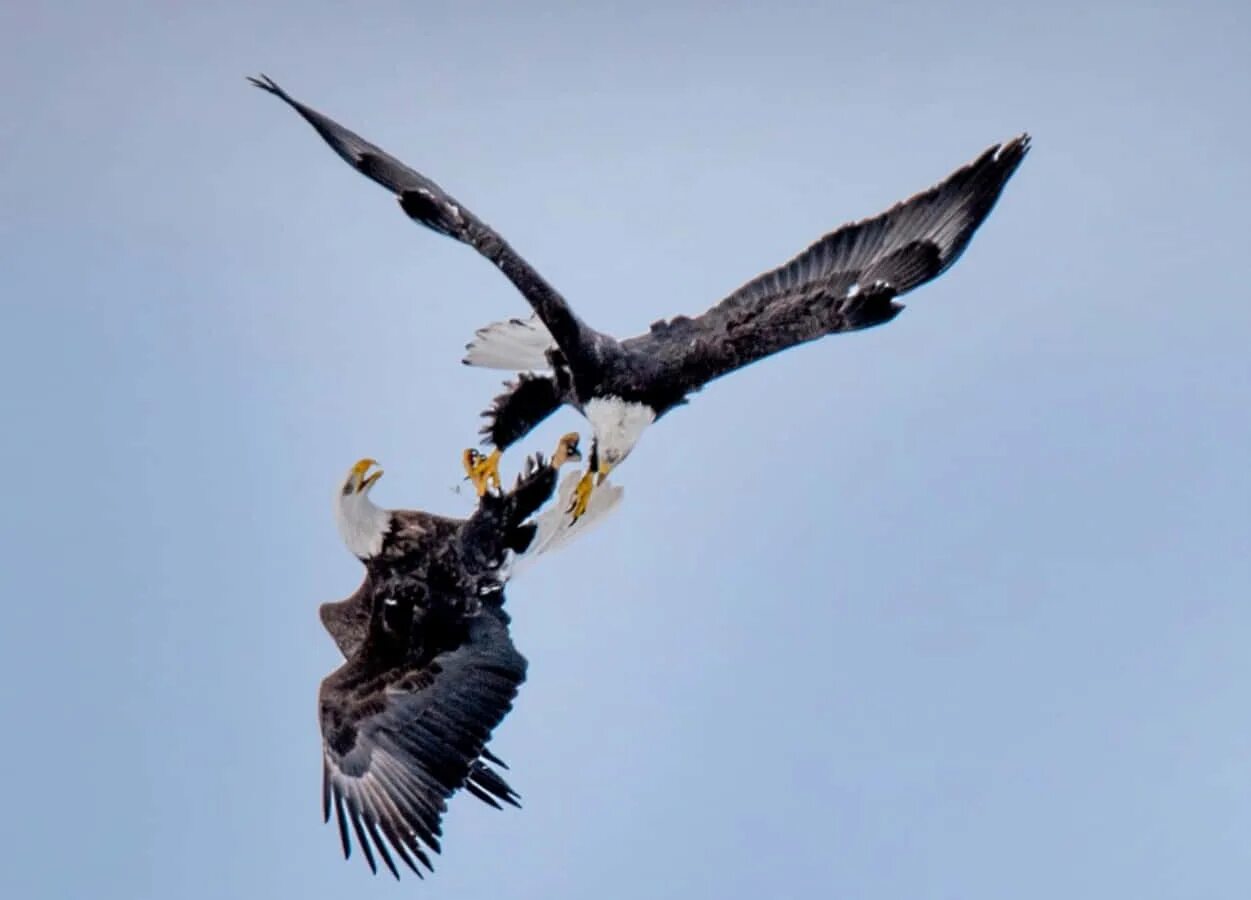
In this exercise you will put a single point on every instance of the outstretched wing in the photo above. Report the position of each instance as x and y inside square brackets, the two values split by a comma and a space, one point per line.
[844, 282]
[427, 203]
[400, 737]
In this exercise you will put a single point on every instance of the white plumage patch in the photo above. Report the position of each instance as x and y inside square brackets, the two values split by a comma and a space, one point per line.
[554, 528]
[517, 345]
[618, 424]
[362, 525]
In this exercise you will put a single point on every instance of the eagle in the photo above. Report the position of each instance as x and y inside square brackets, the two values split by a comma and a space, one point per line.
[430, 666]
[847, 280]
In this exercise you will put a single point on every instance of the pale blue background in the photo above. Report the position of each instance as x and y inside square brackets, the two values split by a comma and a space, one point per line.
[957, 608]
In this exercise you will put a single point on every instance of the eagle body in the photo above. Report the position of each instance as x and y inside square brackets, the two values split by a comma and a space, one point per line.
[846, 281]
[430, 667]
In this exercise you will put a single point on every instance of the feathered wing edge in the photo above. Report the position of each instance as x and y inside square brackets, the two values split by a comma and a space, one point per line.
[845, 281]
[488, 785]
[426, 202]
[420, 741]
[942, 219]
[525, 404]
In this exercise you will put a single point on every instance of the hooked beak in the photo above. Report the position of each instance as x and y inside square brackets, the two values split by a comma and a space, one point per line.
[365, 482]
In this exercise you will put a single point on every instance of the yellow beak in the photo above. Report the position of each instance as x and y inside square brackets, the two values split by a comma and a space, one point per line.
[359, 470]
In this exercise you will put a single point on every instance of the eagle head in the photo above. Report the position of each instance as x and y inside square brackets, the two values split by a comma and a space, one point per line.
[362, 525]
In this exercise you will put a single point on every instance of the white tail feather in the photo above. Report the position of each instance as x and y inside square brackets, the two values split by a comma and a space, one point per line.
[554, 527]
[518, 345]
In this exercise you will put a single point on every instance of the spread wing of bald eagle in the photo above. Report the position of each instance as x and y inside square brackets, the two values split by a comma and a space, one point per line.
[846, 281]
[430, 667]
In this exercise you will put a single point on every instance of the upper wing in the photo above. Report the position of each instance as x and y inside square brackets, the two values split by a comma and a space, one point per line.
[348, 620]
[427, 203]
[401, 736]
[845, 281]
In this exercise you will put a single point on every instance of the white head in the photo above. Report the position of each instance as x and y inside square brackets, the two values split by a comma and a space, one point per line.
[361, 524]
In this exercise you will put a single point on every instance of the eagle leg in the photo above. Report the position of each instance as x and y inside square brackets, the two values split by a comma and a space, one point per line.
[581, 496]
[483, 471]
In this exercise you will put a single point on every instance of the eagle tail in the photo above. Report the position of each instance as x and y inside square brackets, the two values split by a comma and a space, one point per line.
[515, 345]
[554, 528]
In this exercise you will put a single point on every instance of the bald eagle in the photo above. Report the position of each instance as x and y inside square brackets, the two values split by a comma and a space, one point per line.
[431, 669]
[846, 281]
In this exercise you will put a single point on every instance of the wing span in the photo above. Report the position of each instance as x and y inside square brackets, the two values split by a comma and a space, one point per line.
[425, 202]
[845, 281]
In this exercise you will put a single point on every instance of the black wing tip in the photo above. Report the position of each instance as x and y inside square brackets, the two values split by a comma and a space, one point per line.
[997, 162]
[481, 795]
[1009, 154]
[485, 781]
[325, 791]
[354, 816]
[493, 759]
[265, 83]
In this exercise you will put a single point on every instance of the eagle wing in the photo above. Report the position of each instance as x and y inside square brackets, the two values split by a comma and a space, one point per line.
[401, 736]
[425, 202]
[522, 407]
[845, 281]
[347, 621]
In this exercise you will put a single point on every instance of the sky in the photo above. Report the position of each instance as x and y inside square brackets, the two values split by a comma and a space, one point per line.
[953, 608]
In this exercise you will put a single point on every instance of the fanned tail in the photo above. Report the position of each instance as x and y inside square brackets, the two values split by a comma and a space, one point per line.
[515, 345]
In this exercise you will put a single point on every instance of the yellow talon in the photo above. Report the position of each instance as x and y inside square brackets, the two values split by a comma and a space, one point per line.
[581, 497]
[483, 471]
[566, 450]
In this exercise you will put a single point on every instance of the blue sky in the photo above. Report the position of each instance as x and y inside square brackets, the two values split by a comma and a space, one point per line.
[955, 608]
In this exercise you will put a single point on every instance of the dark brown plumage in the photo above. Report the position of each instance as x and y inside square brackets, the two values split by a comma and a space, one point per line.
[431, 670]
[846, 281]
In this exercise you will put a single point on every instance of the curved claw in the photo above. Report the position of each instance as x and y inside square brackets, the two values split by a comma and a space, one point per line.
[483, 471]
[581, 497]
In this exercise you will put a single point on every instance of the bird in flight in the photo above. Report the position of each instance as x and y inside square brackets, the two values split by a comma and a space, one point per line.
[846, 281]
[430, 666]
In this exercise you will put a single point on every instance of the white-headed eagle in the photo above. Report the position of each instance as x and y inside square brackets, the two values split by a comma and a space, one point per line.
[430, 667]
[846, 281]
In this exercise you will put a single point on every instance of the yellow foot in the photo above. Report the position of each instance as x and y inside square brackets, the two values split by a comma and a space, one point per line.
[566, 450]
[483, 471]
[581, 497]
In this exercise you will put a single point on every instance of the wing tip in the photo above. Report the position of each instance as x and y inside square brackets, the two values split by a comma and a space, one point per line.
[265, 83]
[1011, 152]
